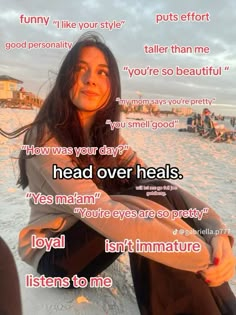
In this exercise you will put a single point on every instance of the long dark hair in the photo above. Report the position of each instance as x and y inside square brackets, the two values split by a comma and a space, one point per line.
[59, 119]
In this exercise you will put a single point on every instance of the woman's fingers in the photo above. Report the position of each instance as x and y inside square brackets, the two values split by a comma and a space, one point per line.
[224, 277]
[224, 262]
[225, 265]
[216, 275]
[217, 244]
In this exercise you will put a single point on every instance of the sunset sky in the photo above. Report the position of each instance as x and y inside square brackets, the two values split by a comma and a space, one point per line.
[36, 66]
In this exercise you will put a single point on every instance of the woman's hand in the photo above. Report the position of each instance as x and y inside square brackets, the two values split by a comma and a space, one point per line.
[223, 260]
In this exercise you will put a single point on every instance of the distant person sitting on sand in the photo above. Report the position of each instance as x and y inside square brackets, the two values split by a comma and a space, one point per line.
[173, 278]
[208, 125]
[232, 121]
[199, 124]
[205, 114]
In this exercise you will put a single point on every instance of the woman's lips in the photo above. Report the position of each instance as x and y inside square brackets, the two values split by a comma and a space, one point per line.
[89, 93]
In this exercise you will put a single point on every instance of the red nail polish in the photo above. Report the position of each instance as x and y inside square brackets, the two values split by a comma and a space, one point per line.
[216, 261]
[207, 281]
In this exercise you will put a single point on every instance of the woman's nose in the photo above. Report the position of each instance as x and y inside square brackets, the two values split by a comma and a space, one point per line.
[90, 78]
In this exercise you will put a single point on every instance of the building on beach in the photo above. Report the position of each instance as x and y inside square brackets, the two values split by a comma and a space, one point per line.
[14, 97]
[182, 111]
[7, 86]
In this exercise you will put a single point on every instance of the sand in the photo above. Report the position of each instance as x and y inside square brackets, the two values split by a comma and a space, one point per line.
[209, 173]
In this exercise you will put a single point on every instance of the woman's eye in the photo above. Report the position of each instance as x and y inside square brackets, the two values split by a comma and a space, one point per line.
[80, 68]
[103, 72]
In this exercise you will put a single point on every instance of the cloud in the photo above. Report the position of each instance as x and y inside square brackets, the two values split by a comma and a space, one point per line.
[33, 66]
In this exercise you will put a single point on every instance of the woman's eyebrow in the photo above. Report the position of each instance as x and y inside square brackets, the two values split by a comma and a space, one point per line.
[81, 61]
[99, 65]
[103, 65]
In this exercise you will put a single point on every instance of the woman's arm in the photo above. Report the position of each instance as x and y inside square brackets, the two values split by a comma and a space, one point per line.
[223, 267]
[148, 230]
[129, 157]
[210, 221]
[218, 237]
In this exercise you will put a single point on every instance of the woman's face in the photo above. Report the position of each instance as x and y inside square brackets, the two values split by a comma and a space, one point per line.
[92, 84]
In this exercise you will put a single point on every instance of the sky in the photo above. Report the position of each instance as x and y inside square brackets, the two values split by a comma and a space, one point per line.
[37, 68]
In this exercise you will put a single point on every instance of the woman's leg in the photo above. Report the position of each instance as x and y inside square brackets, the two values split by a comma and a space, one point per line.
[159, 288]
[164, 290]
[83, 255]
[10, 302]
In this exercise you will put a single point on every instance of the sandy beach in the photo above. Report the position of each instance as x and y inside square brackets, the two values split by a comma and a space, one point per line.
[209, 173]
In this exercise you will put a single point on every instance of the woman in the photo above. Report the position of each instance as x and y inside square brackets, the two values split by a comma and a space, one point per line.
[74, 115]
